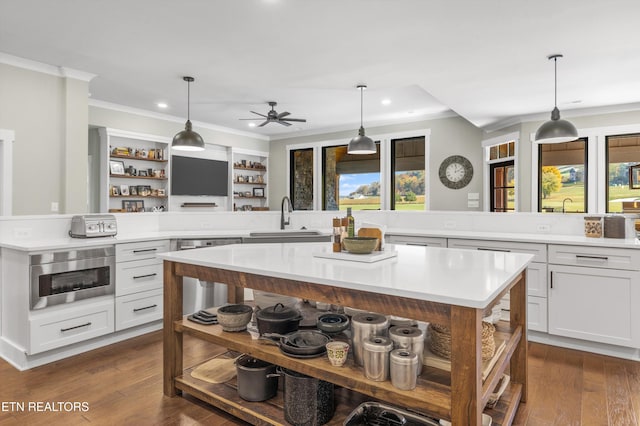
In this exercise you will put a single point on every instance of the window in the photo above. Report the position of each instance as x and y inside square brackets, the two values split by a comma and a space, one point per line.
[562, 177]
[622, 151]
[350, 180]
[502, 187]
[407, 174]
[301, 178]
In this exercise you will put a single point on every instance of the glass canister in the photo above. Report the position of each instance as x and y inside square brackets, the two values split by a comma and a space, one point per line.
[376, 357]
[593, 226]
[364, 325]
[411, 338]
[404, 369]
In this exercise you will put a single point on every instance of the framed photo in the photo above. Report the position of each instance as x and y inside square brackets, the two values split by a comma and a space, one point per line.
[161, 192]
[133, 205]
[142, 173]
[634, 177]
[258, 192]
[133, 190]
[116, 167]
[115, 191]
[124, 190]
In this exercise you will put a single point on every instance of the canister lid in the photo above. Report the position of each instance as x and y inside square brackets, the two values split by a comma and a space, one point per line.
[403, 357]
[408, 333]
[377, 344]
[369, 318]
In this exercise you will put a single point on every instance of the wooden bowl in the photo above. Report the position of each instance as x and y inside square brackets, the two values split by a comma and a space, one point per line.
[360, 245]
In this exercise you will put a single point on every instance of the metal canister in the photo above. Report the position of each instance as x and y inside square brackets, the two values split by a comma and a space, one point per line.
[364, 325]
[404, 368]
[411, 338]
[376, 357]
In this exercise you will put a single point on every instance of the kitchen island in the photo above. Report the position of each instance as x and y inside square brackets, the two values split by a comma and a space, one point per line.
[456, 288]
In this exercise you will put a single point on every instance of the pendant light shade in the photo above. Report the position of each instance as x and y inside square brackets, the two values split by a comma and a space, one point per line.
[361, 144]
[556, 130]
[188, 140]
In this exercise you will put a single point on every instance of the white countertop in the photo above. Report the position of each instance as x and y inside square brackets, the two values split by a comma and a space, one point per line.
[460, 277]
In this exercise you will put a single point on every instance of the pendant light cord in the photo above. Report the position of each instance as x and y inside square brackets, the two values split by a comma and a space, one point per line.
[361, 107]
[555, 82]
[188, 100]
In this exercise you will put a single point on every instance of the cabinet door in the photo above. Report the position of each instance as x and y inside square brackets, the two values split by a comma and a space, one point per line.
[537, 279]
[595, 304]
[537, 313]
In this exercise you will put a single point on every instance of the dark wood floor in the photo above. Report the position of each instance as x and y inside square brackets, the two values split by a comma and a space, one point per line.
[122, 385]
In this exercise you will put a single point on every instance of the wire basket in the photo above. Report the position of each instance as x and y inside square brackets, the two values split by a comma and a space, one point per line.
[440, 340]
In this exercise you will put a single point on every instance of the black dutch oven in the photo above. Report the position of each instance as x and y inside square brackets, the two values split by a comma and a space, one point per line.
[278, 319]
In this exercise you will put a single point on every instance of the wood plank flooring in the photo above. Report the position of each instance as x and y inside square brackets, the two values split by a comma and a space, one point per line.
[122, 385]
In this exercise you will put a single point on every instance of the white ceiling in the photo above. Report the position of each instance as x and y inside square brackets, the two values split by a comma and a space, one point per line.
[484, 60]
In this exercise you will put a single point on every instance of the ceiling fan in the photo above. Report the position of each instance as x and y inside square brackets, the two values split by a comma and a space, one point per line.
[273, 117]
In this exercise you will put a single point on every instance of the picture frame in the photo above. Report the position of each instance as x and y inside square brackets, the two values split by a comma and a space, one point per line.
[634, 177]
[124, 190]
[116, 167]
[161, 192]
[133, 205]
[258, 192]
[133, 190]
[115, 191]
[142, 173]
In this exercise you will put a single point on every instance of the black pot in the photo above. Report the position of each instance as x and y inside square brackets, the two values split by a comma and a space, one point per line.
[257, 379]
[278, 319]
[307, 401]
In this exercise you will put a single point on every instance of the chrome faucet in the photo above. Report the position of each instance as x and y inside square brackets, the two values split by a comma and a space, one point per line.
[565, 200]
[289, 210]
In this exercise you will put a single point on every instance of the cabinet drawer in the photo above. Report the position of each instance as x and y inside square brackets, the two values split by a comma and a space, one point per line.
[539, 251]
[71, 325]
[141, 250]
[600, 257]
[416, 241]
[137, 276]
[537, 313]
[139, 308]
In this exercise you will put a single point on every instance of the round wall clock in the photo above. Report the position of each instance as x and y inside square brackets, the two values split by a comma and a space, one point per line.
[455, 172]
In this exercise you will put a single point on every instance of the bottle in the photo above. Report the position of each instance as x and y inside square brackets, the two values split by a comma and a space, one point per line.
[351, 224]
[337, 247]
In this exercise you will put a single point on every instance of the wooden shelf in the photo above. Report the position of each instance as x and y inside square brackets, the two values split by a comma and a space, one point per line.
[137, 196]
[137, 177]
[250, 168]
[128, 157]
[235, 197]
[250, 183]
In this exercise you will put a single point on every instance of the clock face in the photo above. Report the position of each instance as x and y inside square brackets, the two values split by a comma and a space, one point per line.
[455, 172]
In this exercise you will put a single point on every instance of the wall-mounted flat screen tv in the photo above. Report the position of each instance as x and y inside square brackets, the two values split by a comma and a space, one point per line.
[199, 176]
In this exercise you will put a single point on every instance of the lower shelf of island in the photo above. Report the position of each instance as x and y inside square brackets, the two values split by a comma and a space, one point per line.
[432, 396]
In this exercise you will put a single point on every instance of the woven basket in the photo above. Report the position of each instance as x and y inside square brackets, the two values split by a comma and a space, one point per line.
[440, 340]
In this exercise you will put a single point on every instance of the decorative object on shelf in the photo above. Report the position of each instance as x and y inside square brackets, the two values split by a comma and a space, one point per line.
[188, 140]
[161, 192]
[133, 205]
[131, 171]
[556, 130]
[234, 317]
[337, 352]
[124, 190]
[142, 173]
[361, 144]
[440, 340]
[115, 191]
[455, 172]
[258, 192]
[116, 167]
[133, 190]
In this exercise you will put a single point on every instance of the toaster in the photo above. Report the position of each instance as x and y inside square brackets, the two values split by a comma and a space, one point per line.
[90, 226]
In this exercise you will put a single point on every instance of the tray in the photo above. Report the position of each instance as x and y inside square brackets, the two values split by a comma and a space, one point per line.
[375, 256]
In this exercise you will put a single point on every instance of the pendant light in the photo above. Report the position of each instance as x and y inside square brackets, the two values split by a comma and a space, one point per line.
[361, 144]
[556, 130]
[188, 140]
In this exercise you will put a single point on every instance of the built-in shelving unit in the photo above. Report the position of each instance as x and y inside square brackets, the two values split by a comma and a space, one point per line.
[249, 180]
[134, 172]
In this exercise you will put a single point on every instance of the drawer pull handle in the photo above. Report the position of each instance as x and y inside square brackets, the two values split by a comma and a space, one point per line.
[77, 326]
[146, 307]
[145, 250]
[418, 244]
[144, 276]
[494, 249]
[584, 256]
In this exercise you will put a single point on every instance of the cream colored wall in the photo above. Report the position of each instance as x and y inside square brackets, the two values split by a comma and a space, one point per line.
[46, 113]
[449, 136]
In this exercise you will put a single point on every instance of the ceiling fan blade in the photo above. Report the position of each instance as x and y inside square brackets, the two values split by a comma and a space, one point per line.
[257, 113]
[249, 118]
[266, 122]
[301, 120]
[284, 123]
[283, 114]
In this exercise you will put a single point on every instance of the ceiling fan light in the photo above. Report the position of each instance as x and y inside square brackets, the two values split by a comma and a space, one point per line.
[361, 144]
[187, 139]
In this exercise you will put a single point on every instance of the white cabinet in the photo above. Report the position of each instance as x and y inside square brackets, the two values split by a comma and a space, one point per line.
[594, 301]
[250, 178]
[414, 240]
[138, 283]
[536, 276]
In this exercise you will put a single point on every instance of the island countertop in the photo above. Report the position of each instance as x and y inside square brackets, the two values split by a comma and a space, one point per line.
[452, 276]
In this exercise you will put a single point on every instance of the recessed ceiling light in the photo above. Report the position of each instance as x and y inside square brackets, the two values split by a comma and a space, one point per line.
[386, 102]
[252, 124]
[162, 105]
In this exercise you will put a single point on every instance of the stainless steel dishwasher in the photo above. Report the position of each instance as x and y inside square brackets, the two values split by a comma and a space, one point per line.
[198, 294]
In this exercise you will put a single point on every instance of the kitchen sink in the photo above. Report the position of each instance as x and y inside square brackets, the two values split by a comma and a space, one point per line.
[286, 236]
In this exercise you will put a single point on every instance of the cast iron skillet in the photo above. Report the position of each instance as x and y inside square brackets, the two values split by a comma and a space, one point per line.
[302, 342]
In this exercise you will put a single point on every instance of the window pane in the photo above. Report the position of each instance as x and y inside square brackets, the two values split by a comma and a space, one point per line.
[622, 152]
[498, 197]
[407, 166]
[301, 183]
[498, 176]
[493, 152]
[563, 177]
[504, 150]
[512, 149]
[350, 180]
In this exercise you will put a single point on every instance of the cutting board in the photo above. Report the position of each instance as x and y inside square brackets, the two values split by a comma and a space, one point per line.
[216, 370]
[372, 232]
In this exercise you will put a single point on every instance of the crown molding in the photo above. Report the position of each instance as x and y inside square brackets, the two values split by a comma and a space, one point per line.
[56, 71]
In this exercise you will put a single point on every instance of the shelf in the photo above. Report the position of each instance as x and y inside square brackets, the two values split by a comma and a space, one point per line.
[137, 196]
[137, 177]
[128, 157]
[240, 198]
[249, 168]
[250, 183]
